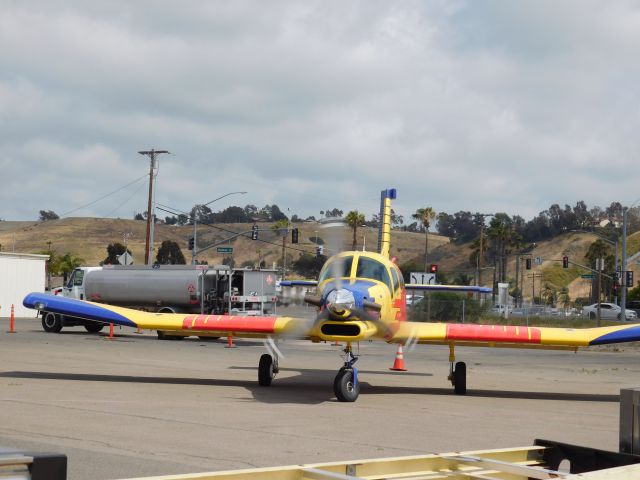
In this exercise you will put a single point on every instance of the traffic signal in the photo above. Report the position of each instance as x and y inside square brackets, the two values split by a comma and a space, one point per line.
[294, 235]
[616, 289]
[629, 278]
[527, 263]
[565, 262]
[254, 232]
[319, 250]
[191, 243]
[433, 268]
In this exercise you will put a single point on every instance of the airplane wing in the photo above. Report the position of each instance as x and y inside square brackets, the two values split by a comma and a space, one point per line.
[448, 288]
[299, 283]
[468, 334]
[254, 326]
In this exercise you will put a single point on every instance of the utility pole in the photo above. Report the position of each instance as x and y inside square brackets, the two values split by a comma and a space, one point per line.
[623, 269]
[518, 287]
[599, 268]
[152, 166]
[522, 282]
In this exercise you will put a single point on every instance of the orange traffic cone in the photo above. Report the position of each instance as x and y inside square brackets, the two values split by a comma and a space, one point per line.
[12, 322]
[398, 364]
[230, 343]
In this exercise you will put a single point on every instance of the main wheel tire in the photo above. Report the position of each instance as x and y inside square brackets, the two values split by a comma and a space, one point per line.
[344, 387]
[265, 370]
[94, 327]
[460, 378]
[51, 322]
[592, 315]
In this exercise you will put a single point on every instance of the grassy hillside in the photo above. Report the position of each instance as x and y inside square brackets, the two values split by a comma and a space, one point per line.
[89, 237]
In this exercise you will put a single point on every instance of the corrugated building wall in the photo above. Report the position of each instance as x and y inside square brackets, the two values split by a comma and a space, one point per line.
[20, 274]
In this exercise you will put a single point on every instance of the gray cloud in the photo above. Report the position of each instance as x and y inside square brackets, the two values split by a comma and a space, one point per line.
[461, 105]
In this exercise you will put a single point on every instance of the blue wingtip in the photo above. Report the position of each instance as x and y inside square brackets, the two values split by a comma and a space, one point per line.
[74, 308]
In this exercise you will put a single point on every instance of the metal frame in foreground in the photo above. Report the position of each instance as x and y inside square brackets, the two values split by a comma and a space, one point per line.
[544, 460]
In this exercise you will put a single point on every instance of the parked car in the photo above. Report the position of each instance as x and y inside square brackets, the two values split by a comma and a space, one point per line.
[500, 310]
[608, 311]
[634, 305]
[413, 300]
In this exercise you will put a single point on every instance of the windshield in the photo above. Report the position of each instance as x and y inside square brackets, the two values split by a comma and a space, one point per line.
[341, 265]
[370, 268]
[76, 278]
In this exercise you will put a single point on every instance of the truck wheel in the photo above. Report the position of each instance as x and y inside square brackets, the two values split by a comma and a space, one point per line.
[94, 327]
[51, 322]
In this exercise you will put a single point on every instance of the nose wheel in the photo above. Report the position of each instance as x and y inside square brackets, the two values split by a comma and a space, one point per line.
[346, 385]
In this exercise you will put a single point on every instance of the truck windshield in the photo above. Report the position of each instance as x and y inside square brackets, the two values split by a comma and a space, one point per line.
[340, 266]
[76, 279]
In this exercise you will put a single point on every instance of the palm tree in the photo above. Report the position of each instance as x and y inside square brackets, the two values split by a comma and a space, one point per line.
[425, 215]
[354, 220]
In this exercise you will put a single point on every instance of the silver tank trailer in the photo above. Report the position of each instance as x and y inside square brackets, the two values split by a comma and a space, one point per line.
[175, 287]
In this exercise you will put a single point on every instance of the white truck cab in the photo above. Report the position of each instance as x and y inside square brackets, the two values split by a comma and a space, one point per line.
[75, 286]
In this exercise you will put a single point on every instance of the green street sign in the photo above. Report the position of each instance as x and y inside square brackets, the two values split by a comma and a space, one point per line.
[587, 275]
[224, 249]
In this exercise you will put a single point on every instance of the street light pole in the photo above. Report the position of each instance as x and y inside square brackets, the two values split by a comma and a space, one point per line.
[194, 252]
[152, 165]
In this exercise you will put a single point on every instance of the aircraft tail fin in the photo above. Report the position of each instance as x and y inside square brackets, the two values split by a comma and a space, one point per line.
[384, 227]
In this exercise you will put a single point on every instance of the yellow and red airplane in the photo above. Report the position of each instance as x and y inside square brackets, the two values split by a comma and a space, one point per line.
[360, 296]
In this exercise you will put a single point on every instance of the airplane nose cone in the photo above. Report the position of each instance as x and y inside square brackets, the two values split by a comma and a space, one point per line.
[340, 301]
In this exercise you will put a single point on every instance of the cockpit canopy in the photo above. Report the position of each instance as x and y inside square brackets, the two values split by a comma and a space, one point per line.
[365, 267]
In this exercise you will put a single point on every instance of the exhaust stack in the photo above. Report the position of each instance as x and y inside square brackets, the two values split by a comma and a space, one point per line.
[384, 228]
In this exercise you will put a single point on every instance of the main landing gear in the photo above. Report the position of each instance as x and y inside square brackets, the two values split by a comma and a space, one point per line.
[457, 373]
[267, 369]
[345, 385]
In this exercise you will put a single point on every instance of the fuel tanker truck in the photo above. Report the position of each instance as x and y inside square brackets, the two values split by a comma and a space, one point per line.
[199, 289]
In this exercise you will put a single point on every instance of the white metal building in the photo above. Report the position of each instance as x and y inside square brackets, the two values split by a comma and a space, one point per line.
[20, 274]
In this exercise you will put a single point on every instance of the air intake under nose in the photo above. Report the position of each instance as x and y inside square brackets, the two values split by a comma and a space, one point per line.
[340, 329]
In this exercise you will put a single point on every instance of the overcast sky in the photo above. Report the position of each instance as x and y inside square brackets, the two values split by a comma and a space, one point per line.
[479, 105]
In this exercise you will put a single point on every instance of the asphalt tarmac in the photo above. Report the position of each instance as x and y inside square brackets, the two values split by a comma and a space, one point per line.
[135, 406]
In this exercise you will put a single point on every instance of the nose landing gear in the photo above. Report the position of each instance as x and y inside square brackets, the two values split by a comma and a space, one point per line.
[346, 385]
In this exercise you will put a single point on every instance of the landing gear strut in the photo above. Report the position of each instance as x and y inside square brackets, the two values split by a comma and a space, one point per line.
[457, 373]
[267, 369]
[346, 385]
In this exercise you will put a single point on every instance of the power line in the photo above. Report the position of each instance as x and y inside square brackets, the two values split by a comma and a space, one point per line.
[104, 196]
[178, 212]
[128, 198]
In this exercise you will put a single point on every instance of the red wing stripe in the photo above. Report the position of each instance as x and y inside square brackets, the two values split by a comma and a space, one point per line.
[493, 333]
[224, 323]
